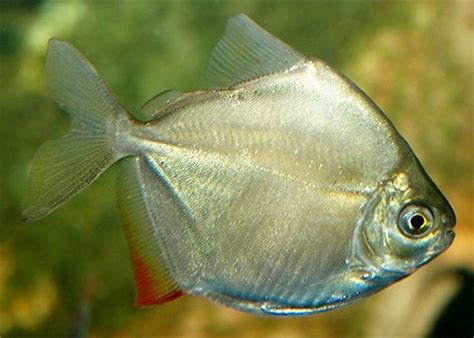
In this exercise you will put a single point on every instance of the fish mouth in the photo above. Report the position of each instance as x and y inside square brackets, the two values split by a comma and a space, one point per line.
[448, 217]
[444, 242]
[448, 222]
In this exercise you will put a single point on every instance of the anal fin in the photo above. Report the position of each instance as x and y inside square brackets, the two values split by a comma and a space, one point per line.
[153, 279]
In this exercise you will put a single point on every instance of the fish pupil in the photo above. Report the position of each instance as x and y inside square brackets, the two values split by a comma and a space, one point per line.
[417, 221]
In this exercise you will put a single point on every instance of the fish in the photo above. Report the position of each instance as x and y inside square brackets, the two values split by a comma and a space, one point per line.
[280, 189]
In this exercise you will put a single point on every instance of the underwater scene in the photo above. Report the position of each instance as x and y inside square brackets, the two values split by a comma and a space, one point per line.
[71, 274]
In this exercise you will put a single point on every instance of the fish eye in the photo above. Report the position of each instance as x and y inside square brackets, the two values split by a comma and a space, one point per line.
[415, 220]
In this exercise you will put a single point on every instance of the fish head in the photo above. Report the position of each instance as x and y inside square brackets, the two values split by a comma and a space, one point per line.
[410, 221]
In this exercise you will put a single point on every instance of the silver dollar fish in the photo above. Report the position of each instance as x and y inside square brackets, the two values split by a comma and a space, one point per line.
[283, 191]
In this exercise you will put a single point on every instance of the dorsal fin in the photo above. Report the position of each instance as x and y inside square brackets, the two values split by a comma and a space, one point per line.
[247, 51]
[154, 107]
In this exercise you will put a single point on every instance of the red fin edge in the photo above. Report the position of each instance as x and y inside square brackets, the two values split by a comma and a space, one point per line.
[147, 288]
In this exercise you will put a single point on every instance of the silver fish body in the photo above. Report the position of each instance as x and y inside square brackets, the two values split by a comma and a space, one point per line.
[285, 191]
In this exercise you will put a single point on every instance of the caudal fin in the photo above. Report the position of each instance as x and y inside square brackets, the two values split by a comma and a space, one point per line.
[64, 167]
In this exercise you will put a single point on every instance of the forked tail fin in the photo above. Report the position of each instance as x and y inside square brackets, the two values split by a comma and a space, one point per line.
[64, 167]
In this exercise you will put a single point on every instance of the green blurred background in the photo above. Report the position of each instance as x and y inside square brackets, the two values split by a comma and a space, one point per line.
[70, 273]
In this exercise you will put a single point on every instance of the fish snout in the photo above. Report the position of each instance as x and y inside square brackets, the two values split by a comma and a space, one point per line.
[448, 218]
[448, 222]
[446, 234]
